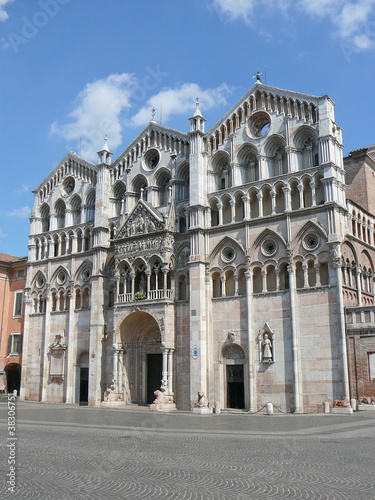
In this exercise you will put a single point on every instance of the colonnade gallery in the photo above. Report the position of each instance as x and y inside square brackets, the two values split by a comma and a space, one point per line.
[215, 261]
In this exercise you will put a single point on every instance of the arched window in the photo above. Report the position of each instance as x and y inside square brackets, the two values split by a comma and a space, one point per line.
[182, 288]
[76, 208]
[90, 206]
[257, 280]
[119, 191]
[271, 278]
[241, 282]
[284, 276]
[140, 187]
[86, 299]
[299, 275]
[229, 284]
[45, 216]
[216, 285]
[214, 213]
[163, 185]
[248, 164]
[311, 273]
[60, 209]
[323, 271]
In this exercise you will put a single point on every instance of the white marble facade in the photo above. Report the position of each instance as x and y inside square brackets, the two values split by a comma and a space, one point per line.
[195, 262]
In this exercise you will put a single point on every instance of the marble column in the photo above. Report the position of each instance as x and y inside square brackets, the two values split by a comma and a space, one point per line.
[170, 371]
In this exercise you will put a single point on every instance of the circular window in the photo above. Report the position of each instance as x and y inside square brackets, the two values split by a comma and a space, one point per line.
[228, 254]
[269, 247]
[40, 282]
[86, 274]
[61, 278]
[68, 186]
[259, 125]
[152, 159]
[311, 241]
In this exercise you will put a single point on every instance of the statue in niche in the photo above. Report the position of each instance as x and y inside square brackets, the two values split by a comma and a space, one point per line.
[267, 348]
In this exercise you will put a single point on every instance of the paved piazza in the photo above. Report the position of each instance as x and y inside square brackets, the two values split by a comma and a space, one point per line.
[65, 452]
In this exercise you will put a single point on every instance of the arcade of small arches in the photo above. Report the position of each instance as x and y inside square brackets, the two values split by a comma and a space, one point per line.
[231, 282]
[63, 243]
[141, 280]
[267, 200]
[249, 165]
[61, 300]
[361, 227]
[357, 278]
[306, 112]
[159, 194]
[66, 214]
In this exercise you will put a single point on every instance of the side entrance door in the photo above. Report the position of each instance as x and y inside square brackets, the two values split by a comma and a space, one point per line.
[235, 387]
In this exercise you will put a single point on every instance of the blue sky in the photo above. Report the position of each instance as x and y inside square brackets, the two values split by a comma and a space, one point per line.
[75, 70]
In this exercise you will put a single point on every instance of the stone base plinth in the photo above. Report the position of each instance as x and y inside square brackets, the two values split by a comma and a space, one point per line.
[112, 404]
[163, 407]
[202, 411]
[342, 411]
[366, 407]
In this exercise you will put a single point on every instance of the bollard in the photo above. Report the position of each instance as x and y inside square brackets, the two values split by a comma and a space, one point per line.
[269, 409]
[217, 407]
[353, 404]
[326, 407]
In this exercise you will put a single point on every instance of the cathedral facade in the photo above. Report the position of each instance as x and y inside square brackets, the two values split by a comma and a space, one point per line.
[208, 261]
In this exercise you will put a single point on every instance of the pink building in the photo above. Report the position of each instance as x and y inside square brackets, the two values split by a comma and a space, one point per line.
[12, 284]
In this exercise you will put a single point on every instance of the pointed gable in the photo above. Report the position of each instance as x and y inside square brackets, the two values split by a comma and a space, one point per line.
[144, 219]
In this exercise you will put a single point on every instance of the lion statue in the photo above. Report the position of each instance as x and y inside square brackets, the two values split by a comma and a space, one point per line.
[162, 399]
[202, 402]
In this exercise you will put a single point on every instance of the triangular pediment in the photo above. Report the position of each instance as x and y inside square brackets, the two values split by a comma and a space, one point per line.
[143, 136]
[267, 90]
[70, 157]
[143, 220]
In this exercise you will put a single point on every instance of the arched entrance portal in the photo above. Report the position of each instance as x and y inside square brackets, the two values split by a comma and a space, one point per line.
[13, 373]
[140, 361]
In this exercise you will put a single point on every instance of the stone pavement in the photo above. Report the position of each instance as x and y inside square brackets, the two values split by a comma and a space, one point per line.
[66, 452]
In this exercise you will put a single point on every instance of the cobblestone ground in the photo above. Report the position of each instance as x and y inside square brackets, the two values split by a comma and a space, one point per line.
[82, 461]
[66, 463]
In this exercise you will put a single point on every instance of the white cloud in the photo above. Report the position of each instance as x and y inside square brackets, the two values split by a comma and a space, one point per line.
[180, 100]
[23, 189]
[236, 8]
[23, 212]
[349, 18]
[97, 113]
[2, 234]
[3, 14]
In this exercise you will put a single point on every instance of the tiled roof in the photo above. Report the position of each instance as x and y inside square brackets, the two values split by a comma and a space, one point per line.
[4, 257]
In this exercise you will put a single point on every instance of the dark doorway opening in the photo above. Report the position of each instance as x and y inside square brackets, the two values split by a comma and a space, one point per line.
[235, 387]
[13, 373]
[154, 374]
[84, 386]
